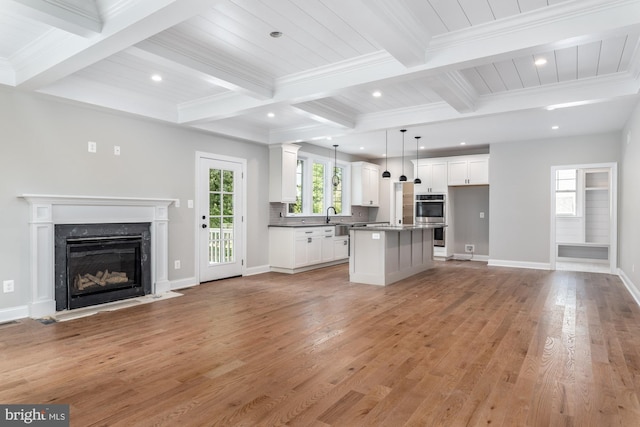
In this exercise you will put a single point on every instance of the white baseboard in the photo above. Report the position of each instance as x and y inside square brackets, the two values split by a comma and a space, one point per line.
[257, 270]
[519, 264]
[631, 287]
[183, 283]
[14, 313]
[471, 257]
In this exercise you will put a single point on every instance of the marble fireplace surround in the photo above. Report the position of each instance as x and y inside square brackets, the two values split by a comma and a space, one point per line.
[45, 211]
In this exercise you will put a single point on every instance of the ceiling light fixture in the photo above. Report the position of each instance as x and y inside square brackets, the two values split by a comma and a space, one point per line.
[156, 77]
[377, 94]
[463, 143]
[275, 34]
[417, 180]
[555, 127]
[386, 174]
[271, 115]
[540, 62]
[336, 179]
[403, 177]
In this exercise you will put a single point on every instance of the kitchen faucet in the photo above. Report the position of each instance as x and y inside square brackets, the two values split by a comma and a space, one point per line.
[334, 211]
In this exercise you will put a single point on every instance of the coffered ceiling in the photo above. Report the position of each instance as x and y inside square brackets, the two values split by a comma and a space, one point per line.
[447, 70]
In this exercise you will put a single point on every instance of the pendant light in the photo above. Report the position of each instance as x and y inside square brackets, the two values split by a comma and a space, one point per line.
[386, 174]
[417, 180]
[403, 177]
[336, 179]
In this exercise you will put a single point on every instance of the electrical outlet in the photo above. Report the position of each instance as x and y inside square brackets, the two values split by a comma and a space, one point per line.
[8, 286]
[481, 214]
[468, 248]
[176, 264]
[116, 150]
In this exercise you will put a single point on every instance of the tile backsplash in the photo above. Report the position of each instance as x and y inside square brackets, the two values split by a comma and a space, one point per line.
[277, 213]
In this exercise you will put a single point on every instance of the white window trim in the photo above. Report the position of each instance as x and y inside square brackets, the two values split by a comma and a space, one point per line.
[307, 178]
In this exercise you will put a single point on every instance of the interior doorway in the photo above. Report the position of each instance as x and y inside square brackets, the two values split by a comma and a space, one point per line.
[584, 218]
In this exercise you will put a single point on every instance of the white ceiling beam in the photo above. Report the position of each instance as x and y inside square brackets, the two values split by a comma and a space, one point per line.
[78, 17]
[141, 20]
[534, 32]
[455, 90]
[394, 28]
[222, 69]
[328, 112]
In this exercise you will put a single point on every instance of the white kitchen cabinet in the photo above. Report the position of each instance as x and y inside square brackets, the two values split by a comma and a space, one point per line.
[433, 176]
[469, 170]
[283, 163]
[302, 248]
[365, 183]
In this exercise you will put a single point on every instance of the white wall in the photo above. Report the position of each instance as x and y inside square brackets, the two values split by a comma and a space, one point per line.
[519, 178]
[629, 203]
[43, 150]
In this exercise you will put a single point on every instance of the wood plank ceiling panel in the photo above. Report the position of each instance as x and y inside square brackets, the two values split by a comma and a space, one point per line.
[433, 21]
[509, 74]
[492, 78]
[451, 14]
[631, 44]
[527, 71]
[336, 30]
[567, 63]
[611, 55]
[548, 72]
[588, 58]
[504, 8]
[529, 5]
[475, 79]
[477, 11]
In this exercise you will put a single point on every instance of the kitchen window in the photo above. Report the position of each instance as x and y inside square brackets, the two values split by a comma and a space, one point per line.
[315, 191]
[567, 199]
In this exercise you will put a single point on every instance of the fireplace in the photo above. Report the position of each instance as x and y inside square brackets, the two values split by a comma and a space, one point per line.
[100, 263]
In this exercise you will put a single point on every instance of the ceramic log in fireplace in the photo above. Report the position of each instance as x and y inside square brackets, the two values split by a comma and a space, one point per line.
[99, 263]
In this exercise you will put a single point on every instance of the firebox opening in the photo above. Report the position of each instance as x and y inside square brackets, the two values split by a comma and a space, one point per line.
[103, 265]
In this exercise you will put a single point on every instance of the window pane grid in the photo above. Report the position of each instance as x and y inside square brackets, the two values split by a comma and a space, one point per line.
[221, 216]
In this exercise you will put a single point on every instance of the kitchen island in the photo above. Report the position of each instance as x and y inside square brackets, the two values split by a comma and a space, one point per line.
[384, 254]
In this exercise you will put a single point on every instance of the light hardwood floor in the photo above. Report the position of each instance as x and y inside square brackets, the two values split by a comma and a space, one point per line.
[462, 344]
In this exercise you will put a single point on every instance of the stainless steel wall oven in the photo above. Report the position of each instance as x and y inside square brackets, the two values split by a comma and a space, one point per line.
[430, 208]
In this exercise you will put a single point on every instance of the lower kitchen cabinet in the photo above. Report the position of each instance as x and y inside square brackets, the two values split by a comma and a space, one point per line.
[294, 249]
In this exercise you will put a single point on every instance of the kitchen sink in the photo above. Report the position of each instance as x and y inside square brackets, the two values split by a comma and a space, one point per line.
[342, 230]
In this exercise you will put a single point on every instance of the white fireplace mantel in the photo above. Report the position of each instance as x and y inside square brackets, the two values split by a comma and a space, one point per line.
[48, 210]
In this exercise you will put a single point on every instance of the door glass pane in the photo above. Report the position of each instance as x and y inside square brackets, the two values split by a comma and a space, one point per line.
[221, 214]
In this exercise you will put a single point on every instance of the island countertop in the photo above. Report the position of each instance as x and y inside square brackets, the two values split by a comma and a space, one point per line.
[389, 227]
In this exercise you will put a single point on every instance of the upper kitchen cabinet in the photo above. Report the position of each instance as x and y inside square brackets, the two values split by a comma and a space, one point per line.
[433, 175]
[365, 180]
[283, 164]
[469, 170]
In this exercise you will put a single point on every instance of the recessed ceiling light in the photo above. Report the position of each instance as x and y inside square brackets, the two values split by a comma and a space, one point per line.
[275, 34]
[422, 148]
[555, 127]
[362, 148]
[329, 138]
[540, 61]
[271, 115]
[156, 78]
[377, 94]
[463, 143]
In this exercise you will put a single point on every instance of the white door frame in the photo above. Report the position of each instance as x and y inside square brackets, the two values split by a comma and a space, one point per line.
[613, 225]
[243, 162]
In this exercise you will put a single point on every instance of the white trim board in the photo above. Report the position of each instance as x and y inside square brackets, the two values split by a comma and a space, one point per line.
[519, 264]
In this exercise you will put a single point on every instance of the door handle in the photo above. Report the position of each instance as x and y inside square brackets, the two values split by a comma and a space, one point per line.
[204, 225]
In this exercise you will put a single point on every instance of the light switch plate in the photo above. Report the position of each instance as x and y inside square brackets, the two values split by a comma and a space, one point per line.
[92, 146]
[8, 286]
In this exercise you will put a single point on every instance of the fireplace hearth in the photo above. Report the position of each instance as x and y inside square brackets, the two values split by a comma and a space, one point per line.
[100, 263]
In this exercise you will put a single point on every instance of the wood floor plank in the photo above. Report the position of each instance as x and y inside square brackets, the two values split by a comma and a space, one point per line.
[461, 344]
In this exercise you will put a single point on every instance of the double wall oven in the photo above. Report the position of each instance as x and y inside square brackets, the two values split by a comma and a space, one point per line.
[431, 208]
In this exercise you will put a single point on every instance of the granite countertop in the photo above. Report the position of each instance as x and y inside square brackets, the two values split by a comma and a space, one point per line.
[387, 227]
[331, 224]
